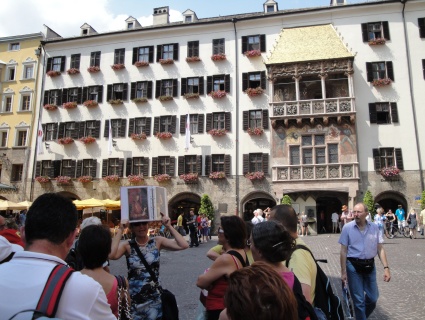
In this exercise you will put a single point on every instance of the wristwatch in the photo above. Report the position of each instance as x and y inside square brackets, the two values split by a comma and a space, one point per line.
[386, 267]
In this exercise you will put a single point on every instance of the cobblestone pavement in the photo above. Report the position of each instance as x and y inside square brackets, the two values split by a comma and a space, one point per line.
[402, 298]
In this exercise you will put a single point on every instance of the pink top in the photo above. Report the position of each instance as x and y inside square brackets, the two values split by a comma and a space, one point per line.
[112, 297]
[289, 278]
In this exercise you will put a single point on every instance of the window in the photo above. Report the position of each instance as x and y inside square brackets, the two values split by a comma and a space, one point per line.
[118, 128]
[95, 59]
[270, 8]
[68, 168]
[196, 123]
[72, 95]
[28, 72]
[313, 150]
[163, 165]
[117, 91]
[218, 82]
[138, 166]
[141, 89]
[256, 119]
[375, 30]
[119, 56]
[188, 19]
[68, 129]
[190, 164]
[218, 120]
[46, 168]
[254, 80]
[383, 113]
[218, 46]
[388, 157]
[166, 88]
[89, 167]
[14, 46]
[167, 51]
[379, 70]
[254, 42]
[50, 131]
[11, 73]
[217, 162]
[421, 25]
[3, 139]
[93, 93]
[8, 103]
[130, 25]
[254, 162]
[114, 167]
[164, 124]
[294, 155]
[140, 125]
[21, 138]
[192, 47]
[26, 102]
[17, 170]
[143, 54]
[53, 97]
[192, 85]
[92, 129]
[75, 61]
[56, 64]
[333, 153]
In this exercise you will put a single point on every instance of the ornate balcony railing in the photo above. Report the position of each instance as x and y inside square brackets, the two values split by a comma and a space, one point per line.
[308, 108]
[332, 171]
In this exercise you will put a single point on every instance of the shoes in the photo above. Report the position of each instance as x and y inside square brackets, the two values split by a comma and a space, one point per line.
[196, 245]
[410, 237]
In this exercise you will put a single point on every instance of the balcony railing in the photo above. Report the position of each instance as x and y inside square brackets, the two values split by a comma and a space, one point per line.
[323, 107]
[333, 171]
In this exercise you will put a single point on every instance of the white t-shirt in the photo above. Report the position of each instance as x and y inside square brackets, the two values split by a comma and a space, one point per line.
[257, 219]
[23, 279]
[334, 217]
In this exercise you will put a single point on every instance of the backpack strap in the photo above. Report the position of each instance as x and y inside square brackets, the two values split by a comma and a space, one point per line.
[240, 258]
[301, 246]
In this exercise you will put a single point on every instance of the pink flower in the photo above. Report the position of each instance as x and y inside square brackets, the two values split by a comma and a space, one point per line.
[135, 178]
[165, 98]
[66, 140]
[85, 179]
[188, 96]
[93, 69]
[111, 178]
[193, 59]
[257, 175]
[390, 172]
[218, 57]
[63, 179]
[73, 71]
[217, 94]
[53, 73]
[166, 61]
[138, 136]
[50, 107]
[255, 131]
[252, 92]
[118, 66]
[69, 105]
[141, 64]
[217, 132]
[164, 135]
[381, 82]
[217, 175]
[90, 103]
[87, 140]
[189, 177]
[252, 53]
[377, 41]
[162, 177]
[42, 179]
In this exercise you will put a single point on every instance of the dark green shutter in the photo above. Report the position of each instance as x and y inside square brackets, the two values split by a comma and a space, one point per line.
[262, 42]
[201, 86]
[183, 123]
[265, 119]
[129, 167]
[135, 54]
[365, 34]
[399, 158]
[131, 128]
[181, 167]
[372, 113]
[245, 81]
[154, 166]
[133, 86]
[369, 73]
[386, 29]
[376, 159]
[390, 70]
[245, 163]
[209, 121]
[227, 83]
[394, 112]
[148, 126]
[183, 88]
[227, 165]
[105, 167]
[207, 165]
[228, 121]
[244, 44]
[245, 120]
[421, 24]
[265, 163]
[201, 118]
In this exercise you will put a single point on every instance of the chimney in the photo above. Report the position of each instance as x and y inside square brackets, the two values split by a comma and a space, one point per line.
[161, 16]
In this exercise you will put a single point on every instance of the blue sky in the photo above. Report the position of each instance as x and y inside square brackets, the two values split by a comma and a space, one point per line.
[65, 16]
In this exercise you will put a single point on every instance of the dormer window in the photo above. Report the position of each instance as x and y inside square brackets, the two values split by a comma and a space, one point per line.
[130, 25]
[188, 19]
[84, 32]
[270, 6]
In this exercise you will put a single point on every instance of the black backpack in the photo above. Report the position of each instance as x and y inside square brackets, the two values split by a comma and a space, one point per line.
[73, 259]
[324, 298]
[305, 309]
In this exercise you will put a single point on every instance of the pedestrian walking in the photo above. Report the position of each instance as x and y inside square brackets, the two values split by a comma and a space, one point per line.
[412, 221]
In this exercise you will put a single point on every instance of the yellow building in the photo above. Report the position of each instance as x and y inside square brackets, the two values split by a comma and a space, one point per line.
[19, 61]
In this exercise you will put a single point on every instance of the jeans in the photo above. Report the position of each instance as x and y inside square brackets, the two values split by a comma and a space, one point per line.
[364, 291]
[193, 236]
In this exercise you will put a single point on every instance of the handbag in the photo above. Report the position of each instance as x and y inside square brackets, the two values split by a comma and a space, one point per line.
[170, 311]
[362, 266]
[409, 221]
[122, 297]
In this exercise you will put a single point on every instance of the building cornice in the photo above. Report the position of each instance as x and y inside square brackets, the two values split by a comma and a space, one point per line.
[28, 36]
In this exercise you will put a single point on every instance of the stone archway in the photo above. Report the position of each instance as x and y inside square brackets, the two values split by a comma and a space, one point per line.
[256, 200]
[183, 202]
[390, 200]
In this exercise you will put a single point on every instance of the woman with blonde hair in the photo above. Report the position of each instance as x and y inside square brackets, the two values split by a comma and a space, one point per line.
[412, 220]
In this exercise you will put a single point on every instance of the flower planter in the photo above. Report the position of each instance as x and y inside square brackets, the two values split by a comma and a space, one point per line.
[87, 140]
[252, 53]
[85, 179]
[118, 66]
[218, 57]
[164, 135]
[66, 140]
[140, 64]
[138, 136]
[50, 107]
[135, 178]
[42, 179]
[217, 175]
[115, 101]
[140, 100]
[162, 177]
[390, 172]
[90, 103]
[53, 73]
[253, 92]
[217, 132]
[93, 69]
[165, 98]
[72, 71]
[381, 82]
[189, 177]
[166, 61]
[217, 94]
[193, 59]
[257, 175]
[377, 41]
[189, 96]
[61, 180]
[111, 178]
[69, 105]
[255, 131]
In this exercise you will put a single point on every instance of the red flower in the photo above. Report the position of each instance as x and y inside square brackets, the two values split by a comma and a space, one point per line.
[90, 103]
[252, 53]
[217, 94]
[218, 132]
[93, 69]
[218, 57]
[53, 73]
[141, 63]
[73, 71]
[118, 66]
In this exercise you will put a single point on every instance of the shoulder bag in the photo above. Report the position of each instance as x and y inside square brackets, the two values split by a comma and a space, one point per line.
[122, 297]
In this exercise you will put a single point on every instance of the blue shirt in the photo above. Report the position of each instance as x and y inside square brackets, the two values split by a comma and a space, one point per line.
[400, 214]
[359, 245]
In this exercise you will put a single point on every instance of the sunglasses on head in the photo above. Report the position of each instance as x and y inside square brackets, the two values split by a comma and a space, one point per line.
[138, 224]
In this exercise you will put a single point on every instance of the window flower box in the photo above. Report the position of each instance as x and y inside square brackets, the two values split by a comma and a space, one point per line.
[390, 172]
[164, 135]
[63, 180]
[189, 177]
[216, 175]
[381, 82]
[165, 98]
[93, 69]
[162, 177]
[50, 107]
[193, 59]
[189, 96]
[118, 66]
[257, 131]
[53, 73]
[138, 136]
[140, 100]
[217, 132]
[87, 140]
[377, 41]
[111, 178]
[73, 71]
[66, 140]
[139, 64]
[90, 103]
[115, 101]
[135, 178]
[252, 53]
[217, 94]
[42, 179]
[257, 175]
[69, 105]
[85, 179]
[253, 92]
[218, 57]
[166, 61]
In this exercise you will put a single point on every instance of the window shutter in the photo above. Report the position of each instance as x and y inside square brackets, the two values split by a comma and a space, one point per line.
[80, 95]
[129, 167]
[172, 166]
[155, 125]
[369, 73]
[215, 46]
[376, 159]
[158, 89]
[131, 128]
[423, 66]
[158, 52]
[46, 97]
[244, 81]
[132, 90]
[181, 169]
[386, 29]
[265, 118]
[173, 124]
[421, 24]
[135, 54]
[63, 59]
[100, 94]
[228, 121]
[146, 167]
[55, 130]
[245, 120]
[104, 168]
[81, 129]
[399, 158]
[121, 167]
[123, 128]
[61, 130]
[97, 129]
[56, 168]
[79, 168]
[151, 50]
[263, 80]
[73, 169]
[209, 84]
[372, 113]
[38, 169]
[207, 165]
[43, 127]
[149, 93]
[74, 133]
[109, 92]
[116, 60]
[106, 132]
[394, 112]
[209, 122]
[201, 86]
[227, 83]
[245, 163]
[183, 123]
[65, 95]
[85, 94]
[263, 42]
[199, 165]
[125, 92]
[365, 34]
[201, 123]
[244, 44]
[49, 64]
[390, 71]
[148, 126]
[175, 51]
[59, 98]
[175, 92]
[266, 163]
[183, 86]
[94, 171]
[227, 165]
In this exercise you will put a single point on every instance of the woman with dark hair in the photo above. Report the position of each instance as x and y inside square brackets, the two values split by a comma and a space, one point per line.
[94, 246]
[232, 236]
[258, 293]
